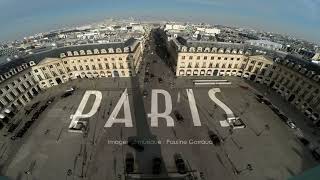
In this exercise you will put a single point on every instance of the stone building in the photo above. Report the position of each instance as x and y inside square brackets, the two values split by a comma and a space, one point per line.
[295, 79]
[23, 78]
[90, 61]
[17, 86]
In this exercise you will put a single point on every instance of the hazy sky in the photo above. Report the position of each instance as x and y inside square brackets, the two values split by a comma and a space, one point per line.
[301, 18]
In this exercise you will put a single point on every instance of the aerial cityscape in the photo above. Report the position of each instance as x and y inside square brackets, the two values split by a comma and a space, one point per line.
[130, 98]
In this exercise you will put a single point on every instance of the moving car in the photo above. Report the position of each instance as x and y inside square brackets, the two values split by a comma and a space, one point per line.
[181, 166]
[160, 80]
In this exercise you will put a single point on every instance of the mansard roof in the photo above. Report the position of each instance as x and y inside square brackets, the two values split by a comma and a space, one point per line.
[6, 66]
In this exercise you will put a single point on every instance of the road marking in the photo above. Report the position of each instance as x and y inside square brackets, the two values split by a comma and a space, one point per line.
[127, 120]
[227, 110]
[154, 115]
[193, 108]
[78, 115]
[213, 97]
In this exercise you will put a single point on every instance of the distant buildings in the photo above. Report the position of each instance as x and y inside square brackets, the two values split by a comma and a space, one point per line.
[209, 31]
[265, 44]
[316, 57]
[175, 27]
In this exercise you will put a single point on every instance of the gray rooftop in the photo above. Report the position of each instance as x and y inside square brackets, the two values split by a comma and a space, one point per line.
[5, 65]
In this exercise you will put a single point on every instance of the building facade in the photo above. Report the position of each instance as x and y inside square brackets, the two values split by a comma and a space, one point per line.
[295, 80]
[265, 44]
[23, 78]
[93, 62]
[17, 87]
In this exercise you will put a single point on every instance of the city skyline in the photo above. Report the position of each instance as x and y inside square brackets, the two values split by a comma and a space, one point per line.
[299, 18]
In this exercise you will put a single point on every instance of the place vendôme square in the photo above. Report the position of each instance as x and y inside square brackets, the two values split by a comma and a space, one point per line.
[160, 90]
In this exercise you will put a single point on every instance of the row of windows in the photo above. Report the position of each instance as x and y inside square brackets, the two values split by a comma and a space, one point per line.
[206, 58]
[286, 80]
[17, 82]
[211, 65]
[19, 90]
[99, 60]
[100, 66]
[85, 67]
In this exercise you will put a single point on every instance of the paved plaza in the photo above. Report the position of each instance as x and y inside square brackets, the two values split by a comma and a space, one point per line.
[275, 154]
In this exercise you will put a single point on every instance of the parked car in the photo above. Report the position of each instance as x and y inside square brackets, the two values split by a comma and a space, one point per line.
[214, 138]
[260, 100]
[283, 117]
[34, 105]
[50, 100]
[80, 126]
[314, 117]
[276, 110]
[66, 94]
[12, 127]
[304, 141]
[316, 153]
[178, 116]
[259, 96]
[291, 124]
[265, 101]
[308, 112]
[20, 133]
[129, 163]
[156, 165]
[181, 166]
[71, 89]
